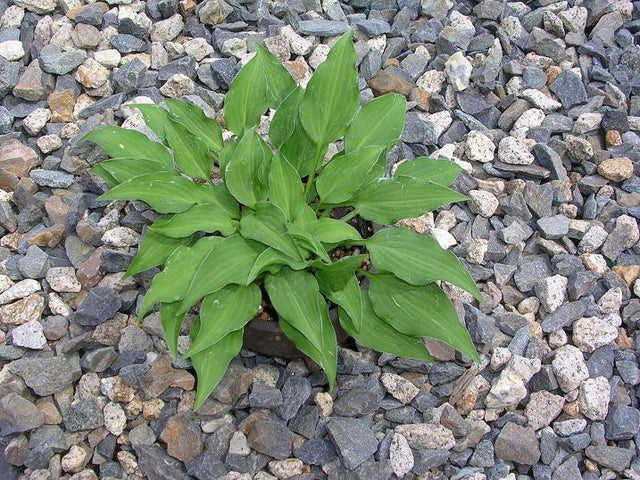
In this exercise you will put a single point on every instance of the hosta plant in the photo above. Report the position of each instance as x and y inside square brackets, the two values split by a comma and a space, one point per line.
[270, 221]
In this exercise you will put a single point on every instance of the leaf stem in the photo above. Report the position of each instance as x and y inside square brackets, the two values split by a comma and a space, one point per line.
[349, 216]
[316, 164]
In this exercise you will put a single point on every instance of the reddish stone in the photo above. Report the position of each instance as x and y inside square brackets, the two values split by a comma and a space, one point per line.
[387, 82]
[49, 237]
[162, 376]
[183, 437]
[89, 274]
[16, 158]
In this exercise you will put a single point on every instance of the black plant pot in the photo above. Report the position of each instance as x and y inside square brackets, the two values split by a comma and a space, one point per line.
[266, 338]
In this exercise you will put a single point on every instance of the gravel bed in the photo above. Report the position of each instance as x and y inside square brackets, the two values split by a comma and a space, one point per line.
[539, 102]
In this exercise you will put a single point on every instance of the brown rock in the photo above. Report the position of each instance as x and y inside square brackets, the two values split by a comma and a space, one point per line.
[8, 180]
[86, 36]
[50, 412]
[387, 82]
[629, 273]
[298, 69]
[440, 350]
[16, 158]
[518, 444]
[116, 390]
[108, 333]
[90, 273]
[49, 237]
[234, 384]
[183, 437]
[34, 84]
[552, 74]
[162, 376]
[74, 12]
[616, 169]
[421, 98]
[61, 104]
[57, 209]
[187, 6]
[613, 138]
[91, 74]
[22, 311]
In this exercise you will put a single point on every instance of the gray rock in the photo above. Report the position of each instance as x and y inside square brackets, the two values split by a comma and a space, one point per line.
[569, 89]
[35, 263]
[51, 178]
[99, 359]
[568, 470]
[134, 339]
[17, 414]
[530, 271]
[615, 458]
[112, 102]
[322, 28]
[9, 73]
[357, 402]
[6, 121]
[154, 463]
[206, 466]
[224, 71]
[264, 396]
[59, 62]
[316, 451]
[47, 376]
[517, 231]
[125, 43]
[373, 28]
[91, 15]
[83, 415]
[100, 305]
[295, 392]
[271, 438]
[425, 460]
[554, 227]
[564, 316]
[622, 423]
[353, 439]
[130, 76]
[43, 443]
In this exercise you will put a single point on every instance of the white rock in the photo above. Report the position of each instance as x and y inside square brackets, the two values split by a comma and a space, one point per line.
[63, 280]
[500, 356]
[37, 6]
[458, 71]
[299, 45]
[36, 120]
[611, 301]
[400, 455]
[514, 152]
[476, 250]
[571, 426]
[236, 47]
[12, 17]
[178, 85]
[543, 408]
[524, 368]
[569, 368]
[19, 290]
[506, 391]
[558, 339]
[198, 48]
[532, 118]
[551, 292]
[593, 239]
[478, 147]
[574, 19]
[114, 418]
[540, 100]
[399, 387]
[75, 460]
[319, 55]
[287, 468]
[49, 143]
[109, 58]
[121, 237]
[166, 30]
[512, 27]
[324, 401]
[590, 333]
[587, 122]
[29, 335]
[11, 50]
[444, 238]
[483, 203]
[431, 81]
[239, 445]
[5, 283]
[427, 435]
[594, 397]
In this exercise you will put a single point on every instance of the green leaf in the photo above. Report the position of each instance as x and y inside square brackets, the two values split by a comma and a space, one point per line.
[226, 154]
[212, 363]
[247, 173]
[229, 262]
[171, 284]
[271, 260]
[332, 231]
[247, 98]
[155, 117]
[380, 122]
[296, 297]
[419, 311]
[346, 174]
[165, 192]
[171, 318]
[190, 155]
[442, 172]
[206, 218]
[349, 298]
[336, 275]
[380, 336]
[285, 187]
[223, 312]
[218, 195]
[308, 241]
[327, 360]
[267, 225]
[285, 120]
[332, 96]
[123, 169]
[193, 118]
[153, 251]
[417, 259]
[121, 142]
[300, 151]
[104, 175]
[392, 199]
[279, 81]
